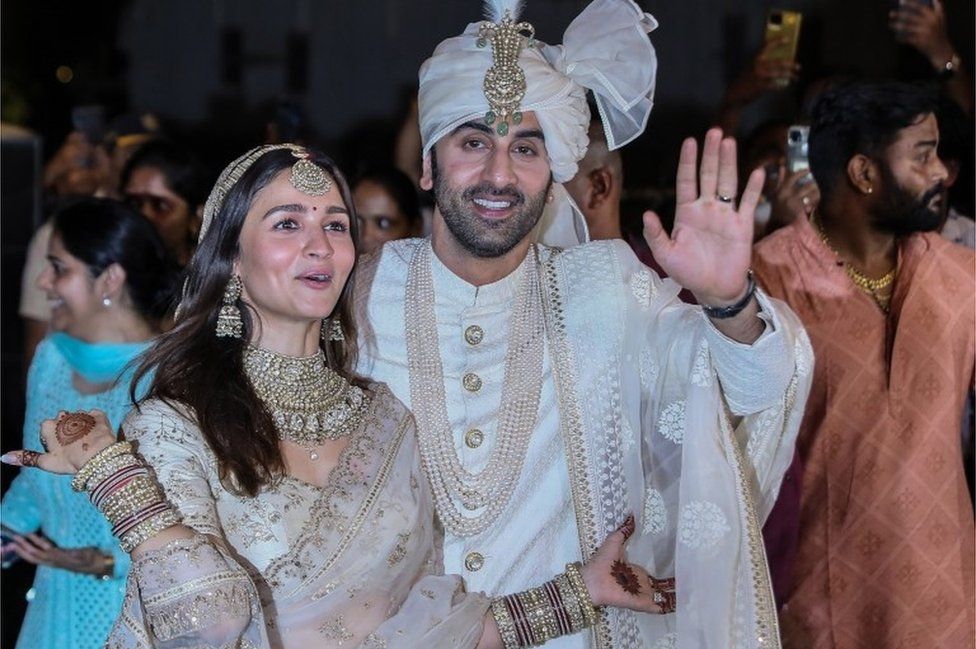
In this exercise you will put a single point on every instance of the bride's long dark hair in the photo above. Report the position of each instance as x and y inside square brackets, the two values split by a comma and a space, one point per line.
[192, 367]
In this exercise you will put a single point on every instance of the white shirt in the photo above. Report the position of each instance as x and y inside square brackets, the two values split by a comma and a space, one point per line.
[537, 533]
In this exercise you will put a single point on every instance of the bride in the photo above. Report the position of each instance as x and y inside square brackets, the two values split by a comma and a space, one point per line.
[267, 495]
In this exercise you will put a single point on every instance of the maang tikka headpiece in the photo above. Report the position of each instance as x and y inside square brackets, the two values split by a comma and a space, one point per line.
[306, 176]
[505, 81]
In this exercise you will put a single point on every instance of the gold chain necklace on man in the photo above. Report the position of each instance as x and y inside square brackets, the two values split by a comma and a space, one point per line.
[452, 484]
[877, 289]
[309, 402]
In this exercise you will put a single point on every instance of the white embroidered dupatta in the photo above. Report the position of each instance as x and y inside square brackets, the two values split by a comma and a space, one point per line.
[642, 403]
[352, 564]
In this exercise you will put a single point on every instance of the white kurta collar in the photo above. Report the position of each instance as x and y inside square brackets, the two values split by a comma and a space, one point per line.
[452, 288]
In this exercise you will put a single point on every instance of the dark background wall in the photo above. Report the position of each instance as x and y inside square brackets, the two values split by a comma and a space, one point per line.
[212, 68]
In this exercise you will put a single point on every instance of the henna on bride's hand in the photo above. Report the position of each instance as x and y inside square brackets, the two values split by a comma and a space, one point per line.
[625, 577]
[29, 458]
[627, 527]
[663, 594]
[72, 427]
[665, 600]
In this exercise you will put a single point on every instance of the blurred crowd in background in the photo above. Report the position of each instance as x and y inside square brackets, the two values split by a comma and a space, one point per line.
[68, 153]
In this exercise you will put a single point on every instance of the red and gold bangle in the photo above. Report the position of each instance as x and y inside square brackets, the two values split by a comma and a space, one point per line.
[537, 615]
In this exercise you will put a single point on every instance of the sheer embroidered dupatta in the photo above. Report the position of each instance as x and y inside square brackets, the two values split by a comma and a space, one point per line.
[350, 564]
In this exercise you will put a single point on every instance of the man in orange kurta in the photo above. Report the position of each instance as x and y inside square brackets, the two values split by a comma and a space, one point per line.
[886, 530]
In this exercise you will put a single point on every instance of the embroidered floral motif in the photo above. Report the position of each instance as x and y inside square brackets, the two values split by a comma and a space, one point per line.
[373, 641]
[571, 420]
[345, 503]
[222, 601]
[602, 414]
[255, 525]
[399, 550]
[667, 641]
[701, 373]
[758, 445]
[648, 369]
[642, 285]
[671, 422]
[803, 353]
[702, 525]
[655, 515]
[627, 438]
[325, 590]
[336, 630]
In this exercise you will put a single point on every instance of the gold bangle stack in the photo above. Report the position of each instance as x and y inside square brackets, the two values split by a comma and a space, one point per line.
[149, 528]
[572, 605]
[533, 617]
[575, 576]
[119, 484]
[506, 624]
[96, 464]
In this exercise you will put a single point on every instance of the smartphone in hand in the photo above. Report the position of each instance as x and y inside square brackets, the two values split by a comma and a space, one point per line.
[782, 37]
[797, 148]
[7, 556]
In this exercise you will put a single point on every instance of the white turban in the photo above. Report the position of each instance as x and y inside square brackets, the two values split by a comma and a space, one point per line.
[605, 50]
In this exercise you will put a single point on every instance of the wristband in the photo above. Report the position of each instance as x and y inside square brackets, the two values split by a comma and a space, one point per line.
[723, 312]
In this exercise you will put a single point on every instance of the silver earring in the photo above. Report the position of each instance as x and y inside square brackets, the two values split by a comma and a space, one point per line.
[229, 323]
[335, 331]
[106, 301]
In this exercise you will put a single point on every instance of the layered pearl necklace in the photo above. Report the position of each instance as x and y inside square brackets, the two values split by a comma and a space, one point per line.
[309, 402]
[490, 489]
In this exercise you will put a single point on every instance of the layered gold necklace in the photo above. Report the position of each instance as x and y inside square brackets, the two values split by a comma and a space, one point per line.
[878, 289]
[309, 402]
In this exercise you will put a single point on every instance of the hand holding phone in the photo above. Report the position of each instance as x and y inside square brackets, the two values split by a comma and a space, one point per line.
[89, 120]
[7, 555]
[922, 25]
[782, 37]
[797, 148]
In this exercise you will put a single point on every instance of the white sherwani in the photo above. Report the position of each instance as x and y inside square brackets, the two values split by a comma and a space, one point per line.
[631, 420]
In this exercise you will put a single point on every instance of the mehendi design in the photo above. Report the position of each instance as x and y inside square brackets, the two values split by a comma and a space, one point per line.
[72, 427]
[29, 458]
[663, 594]
[628, 526]
[625, 577]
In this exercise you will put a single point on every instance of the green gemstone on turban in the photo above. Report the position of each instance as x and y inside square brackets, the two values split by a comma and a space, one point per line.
[502, 128]
[490, 117]
[517, 118]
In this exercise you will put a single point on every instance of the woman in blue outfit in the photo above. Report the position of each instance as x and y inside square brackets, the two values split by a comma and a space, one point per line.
[109, 283]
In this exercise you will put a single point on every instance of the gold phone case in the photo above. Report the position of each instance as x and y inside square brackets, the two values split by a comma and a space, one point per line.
[786, 32]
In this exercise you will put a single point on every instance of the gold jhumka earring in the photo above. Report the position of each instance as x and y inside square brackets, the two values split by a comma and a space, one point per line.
[229, 323]
[332, 331]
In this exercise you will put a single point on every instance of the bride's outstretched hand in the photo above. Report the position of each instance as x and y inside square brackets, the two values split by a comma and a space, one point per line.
[70, 441]
[611, 581]
[710, 246]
